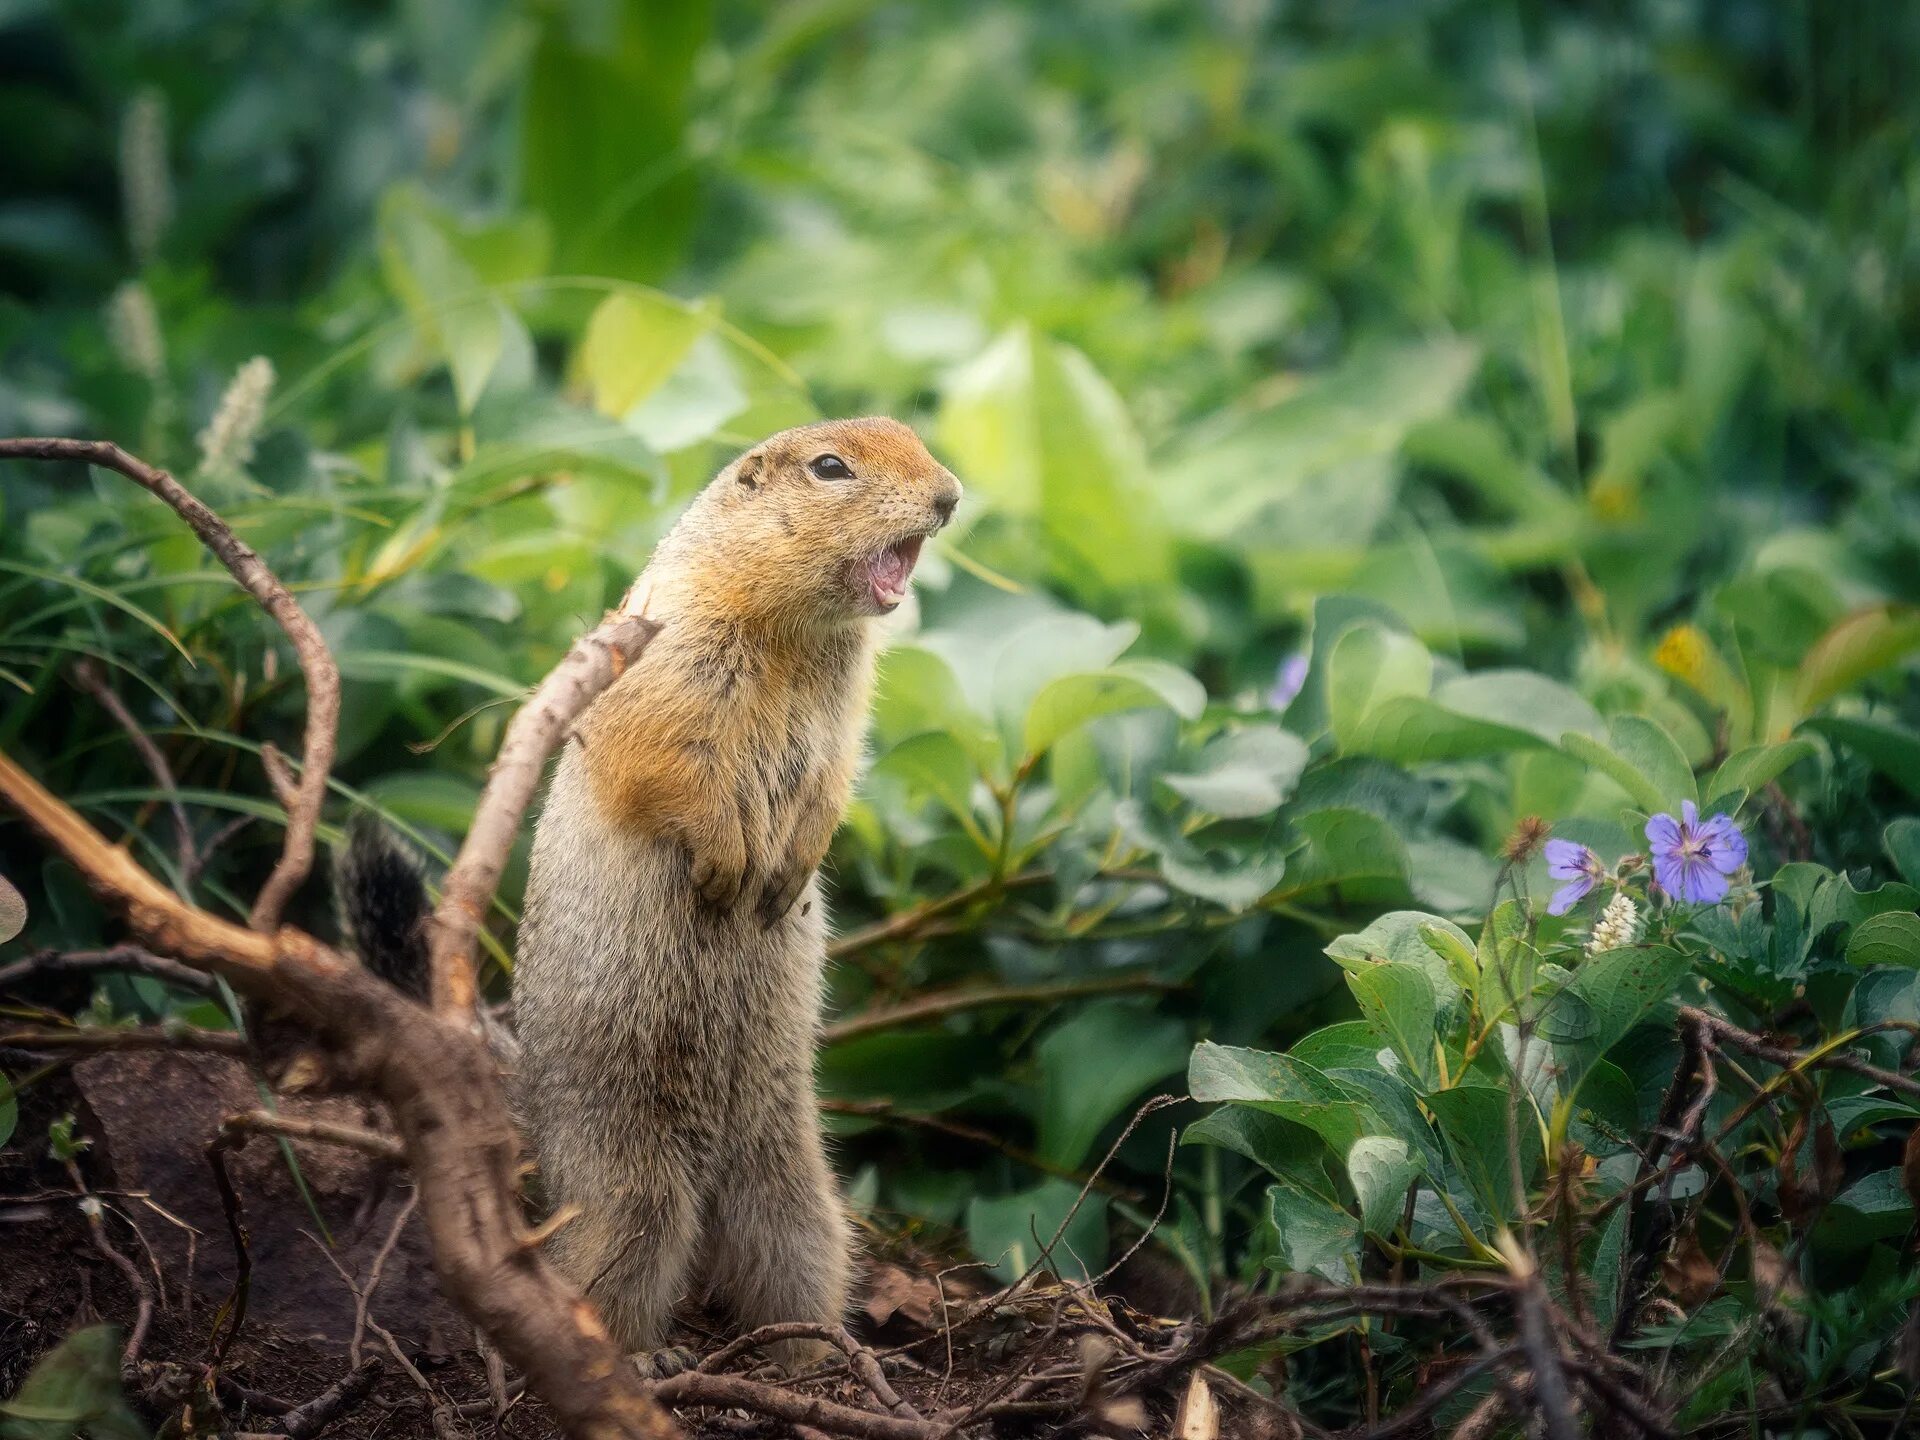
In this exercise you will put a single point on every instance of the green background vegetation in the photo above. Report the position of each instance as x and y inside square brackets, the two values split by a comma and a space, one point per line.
[1543, 374]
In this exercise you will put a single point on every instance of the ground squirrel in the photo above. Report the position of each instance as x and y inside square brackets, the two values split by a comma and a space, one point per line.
[668, 984]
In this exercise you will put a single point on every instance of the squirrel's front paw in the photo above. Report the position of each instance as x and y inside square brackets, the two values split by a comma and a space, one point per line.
[718, 881]
[783, 887]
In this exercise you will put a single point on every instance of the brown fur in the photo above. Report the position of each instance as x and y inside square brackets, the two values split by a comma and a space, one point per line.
[668, 986]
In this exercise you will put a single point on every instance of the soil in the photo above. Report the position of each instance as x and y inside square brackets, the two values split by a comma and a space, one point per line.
[148, 1118]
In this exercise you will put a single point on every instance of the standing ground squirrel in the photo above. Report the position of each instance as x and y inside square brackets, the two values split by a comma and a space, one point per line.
[668, 985]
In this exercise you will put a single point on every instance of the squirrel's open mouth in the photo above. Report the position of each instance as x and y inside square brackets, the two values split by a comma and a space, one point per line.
[888, 572]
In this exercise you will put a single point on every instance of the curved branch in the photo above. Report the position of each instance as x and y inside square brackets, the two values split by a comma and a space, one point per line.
[596, 660]
[443, 1089]
[939, 1003]
[316, 661]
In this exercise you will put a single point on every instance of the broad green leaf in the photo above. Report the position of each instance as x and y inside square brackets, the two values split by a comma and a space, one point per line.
[1397, 1000]
[1488, 713]
[602, 153]
[1642, 758]
[1347, 1045]
[1890, 749]
[1473, 1120]
[1838, 902]
[1094, 1065]
[1044, 438]
[1407, 937]
[1003, 1231]
[1286, 1150]
[916, 691]
[936, 764]
[1045, 649]
[1369, 666]
[1381, 1168]
[1609, 994]
[1072, 700]
[1346, 848]
[1753, 768]
[1901, 840]
[1316, 1237]
[74, 1389]
[1227, 873]
[1890, 938]
[634, 341]
[1242, 773]
[1864, 642]
[1339, 1113]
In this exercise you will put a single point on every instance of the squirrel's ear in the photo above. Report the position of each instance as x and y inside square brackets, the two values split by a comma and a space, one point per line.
[747, 472]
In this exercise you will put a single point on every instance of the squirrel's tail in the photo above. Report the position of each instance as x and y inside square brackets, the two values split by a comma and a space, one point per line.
[382, 897]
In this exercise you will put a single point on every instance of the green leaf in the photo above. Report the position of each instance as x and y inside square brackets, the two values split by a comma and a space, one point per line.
[1756, 766]
[1610, 994]
[1346, 848]
[917, 691]
[1225, 873]
[1286, 1150]
[1473, 1121]
[1901, 840]
[1381, 1168]
[1002, 1231]
[634, 341]
[1862, 643]
[1242, 773]
[1281, 1085]
[1397, 1001]
[1044, 438]
[1094, 1065]
[1072, 700]
[1369, 666]
[1408, 937]
[1891, 938]
[1316, 1236]
[1642, 759]
[1890, 749]
[602, 133]
[1489, 713]
[936, 764]
[74, 1389]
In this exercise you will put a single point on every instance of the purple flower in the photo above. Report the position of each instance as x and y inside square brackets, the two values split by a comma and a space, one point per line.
[1576, 865]
[1692, 858]
[1288, 682]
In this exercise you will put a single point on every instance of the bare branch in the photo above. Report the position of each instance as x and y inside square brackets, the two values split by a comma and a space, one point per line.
[939, 1003]
[303, 1422]
[265, 1122]
[316, 661]
[94, 1040]
[596, 660]
[121, 957]
[443, 1089]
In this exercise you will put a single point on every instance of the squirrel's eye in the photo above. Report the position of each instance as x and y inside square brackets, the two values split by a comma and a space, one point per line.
[830, 467]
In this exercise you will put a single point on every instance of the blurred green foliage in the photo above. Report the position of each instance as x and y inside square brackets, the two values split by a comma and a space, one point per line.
[1536, 379]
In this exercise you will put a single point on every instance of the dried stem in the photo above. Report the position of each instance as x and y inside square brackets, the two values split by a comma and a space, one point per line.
[326, 1132]
[596, 660]
[941, 1003]
[443, 1089]
[129, 958]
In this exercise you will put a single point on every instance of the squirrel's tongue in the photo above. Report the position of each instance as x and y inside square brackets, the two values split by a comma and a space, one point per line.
[889, 571]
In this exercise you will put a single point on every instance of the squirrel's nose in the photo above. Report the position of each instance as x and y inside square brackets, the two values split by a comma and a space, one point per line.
[943, 507]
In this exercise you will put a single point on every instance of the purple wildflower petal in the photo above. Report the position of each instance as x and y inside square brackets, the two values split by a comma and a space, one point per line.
[1726, 846]
[1570, 894]
[1288, 681]
[1663, 833]
[1566, 859]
